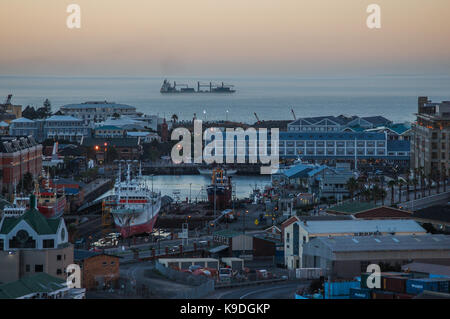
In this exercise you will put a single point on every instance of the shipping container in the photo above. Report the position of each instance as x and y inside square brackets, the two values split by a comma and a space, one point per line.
[394, 284]
[340, 288]
[417, 286]
[378, 294]
[360, 293]
[365, 275]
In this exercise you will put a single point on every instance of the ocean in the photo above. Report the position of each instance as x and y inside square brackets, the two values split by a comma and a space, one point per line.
[272, 98]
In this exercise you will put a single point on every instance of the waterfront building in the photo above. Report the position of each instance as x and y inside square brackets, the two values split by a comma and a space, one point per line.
[299, 232]
[127, 148]
[18, 156]
[347, 256]
[26, 127]
[336, 123]
[31, 243]
[68, 128]
[431, 138]
[96, 111]
[108, 131]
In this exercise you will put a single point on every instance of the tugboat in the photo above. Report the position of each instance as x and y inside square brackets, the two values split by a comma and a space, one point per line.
[220, 189]
[135, 206]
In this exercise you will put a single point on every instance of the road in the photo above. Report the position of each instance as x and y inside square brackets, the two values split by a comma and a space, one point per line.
[278, 290]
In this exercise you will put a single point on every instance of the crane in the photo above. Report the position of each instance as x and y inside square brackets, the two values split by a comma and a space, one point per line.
[8, 99]
[293, 114]
[257, 118]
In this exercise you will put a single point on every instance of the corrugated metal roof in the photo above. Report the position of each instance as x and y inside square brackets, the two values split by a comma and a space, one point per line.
[346, 136]
[361, 226]
[386, 242]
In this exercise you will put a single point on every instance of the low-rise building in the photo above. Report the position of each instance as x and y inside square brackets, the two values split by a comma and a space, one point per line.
[97, 111]
[108, 131]
[301, 231]
[129, 148]
[40, 286]
[98, 270]
[68, 128]
[347, 256]
[365, 210]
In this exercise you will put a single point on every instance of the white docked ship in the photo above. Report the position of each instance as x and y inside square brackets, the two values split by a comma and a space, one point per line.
[135, 206]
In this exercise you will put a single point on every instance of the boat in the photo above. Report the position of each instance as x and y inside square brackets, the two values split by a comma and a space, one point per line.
[167, 87]
[220, 190]
[207, 171]
[51, 201]
[17, 208]
[135, 206]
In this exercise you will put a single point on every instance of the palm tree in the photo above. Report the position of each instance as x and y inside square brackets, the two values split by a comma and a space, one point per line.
[392, 184]
[174, 118]
[444, 177]
[400, 184]
[422, 181]
[352, 186]
[408, 183]
[437, 179]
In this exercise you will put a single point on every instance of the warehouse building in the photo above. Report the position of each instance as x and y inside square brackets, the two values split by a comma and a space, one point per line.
[347, 256]
[300, 232]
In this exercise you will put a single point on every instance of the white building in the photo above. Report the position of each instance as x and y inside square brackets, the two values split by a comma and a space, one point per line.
[96, 111]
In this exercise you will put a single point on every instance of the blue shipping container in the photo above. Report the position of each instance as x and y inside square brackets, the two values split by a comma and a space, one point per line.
[340, 288]
[417, 286]
[360, 293]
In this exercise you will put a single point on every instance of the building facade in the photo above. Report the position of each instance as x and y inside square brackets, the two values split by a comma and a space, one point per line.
[31, 244]
[67, 128]
[97, 111]
[18, 156]
[430, 138]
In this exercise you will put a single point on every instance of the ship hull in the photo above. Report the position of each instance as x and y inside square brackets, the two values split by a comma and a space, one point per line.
[53, 211]
[145, 228]
[222, 196]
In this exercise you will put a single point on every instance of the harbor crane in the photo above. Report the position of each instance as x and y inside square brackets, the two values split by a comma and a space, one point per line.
[293, 114]
[8, 99]
[257, 118]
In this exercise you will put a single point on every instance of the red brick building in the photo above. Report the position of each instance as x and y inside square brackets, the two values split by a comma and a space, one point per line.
[17, 157]
[98, 271]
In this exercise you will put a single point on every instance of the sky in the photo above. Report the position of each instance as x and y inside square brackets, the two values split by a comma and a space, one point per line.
[232, 37]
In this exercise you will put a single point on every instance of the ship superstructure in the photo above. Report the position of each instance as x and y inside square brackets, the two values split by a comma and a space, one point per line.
[135, 205]
[210, 87]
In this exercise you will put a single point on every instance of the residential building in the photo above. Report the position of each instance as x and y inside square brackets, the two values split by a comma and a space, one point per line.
[40, 286]
[26, 127]
[97, 111]
[430, 138]
[299, 232]
[18, 156]
[146, 137]
[345, 257]
[30, 243]
[98, 270]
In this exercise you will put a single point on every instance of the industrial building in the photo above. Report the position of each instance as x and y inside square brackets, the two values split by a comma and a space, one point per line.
[348, 256]
[299, 232]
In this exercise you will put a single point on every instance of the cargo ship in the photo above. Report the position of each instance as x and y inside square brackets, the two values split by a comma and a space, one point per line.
[220, 189]
[135, 206]
[167, 87]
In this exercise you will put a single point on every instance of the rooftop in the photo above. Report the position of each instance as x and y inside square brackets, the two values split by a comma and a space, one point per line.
[98, 104]
[362, 226]
[385, 243]
[345, 136]
[38, 283]
[352, 207]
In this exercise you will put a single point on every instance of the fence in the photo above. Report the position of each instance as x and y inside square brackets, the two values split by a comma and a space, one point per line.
[201, 285]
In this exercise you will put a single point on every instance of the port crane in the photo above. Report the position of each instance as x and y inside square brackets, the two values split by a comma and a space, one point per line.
[293, 114]
[257, 118]
[8, 99]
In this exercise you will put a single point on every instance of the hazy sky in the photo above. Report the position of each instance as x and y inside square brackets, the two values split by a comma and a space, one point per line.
[224, 37]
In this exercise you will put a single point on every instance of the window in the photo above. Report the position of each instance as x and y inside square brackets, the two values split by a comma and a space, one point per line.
[38, 268]
[58, 257]
[48, 243]
[27, 268]
[58, 271]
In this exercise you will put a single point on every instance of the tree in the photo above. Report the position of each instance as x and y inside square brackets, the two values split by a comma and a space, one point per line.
[392, 184]
[400, 184]
[26, 184]
[352, 186]
[174, 118]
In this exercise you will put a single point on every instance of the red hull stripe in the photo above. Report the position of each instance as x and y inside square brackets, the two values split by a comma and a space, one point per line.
[138, 229]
